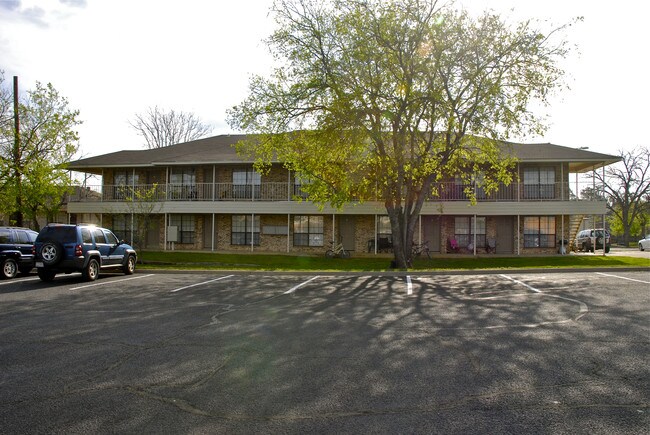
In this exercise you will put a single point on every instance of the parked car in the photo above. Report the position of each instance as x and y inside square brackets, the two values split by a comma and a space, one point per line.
[61, 248]
[644, 243]
[588, 239]
[16, 251]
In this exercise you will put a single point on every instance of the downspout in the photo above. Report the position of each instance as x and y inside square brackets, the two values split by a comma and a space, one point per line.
[252, 231]
[474, 236]
[213, 230]
[518, 235]
[604, 215]
[133, 199]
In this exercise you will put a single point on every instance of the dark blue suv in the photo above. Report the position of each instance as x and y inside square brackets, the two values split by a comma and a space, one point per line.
[61, 248]
[16, 251]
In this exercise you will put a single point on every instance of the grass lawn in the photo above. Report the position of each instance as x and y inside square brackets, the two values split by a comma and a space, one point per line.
[182, 260]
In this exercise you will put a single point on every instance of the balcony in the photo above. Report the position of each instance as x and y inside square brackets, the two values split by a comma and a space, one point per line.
[442, 192]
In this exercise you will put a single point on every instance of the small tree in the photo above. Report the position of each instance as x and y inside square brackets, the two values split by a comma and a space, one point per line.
[142, 203]
[160, 128]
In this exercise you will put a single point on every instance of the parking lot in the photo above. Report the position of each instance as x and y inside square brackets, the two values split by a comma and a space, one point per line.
[548, 352]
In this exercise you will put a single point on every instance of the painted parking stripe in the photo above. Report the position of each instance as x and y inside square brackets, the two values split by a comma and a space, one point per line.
[112, 281]
[623, 277]
[200, 283]
[522, 283]
[17, 281]
[293, 289]
[409, 285]
[583, 308]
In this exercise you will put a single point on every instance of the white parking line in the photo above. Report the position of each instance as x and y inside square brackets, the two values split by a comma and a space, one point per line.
[200, 283]
[112, 281]
[17, 281]
[409, 285]
[522, 283]
[623, 277]
[584, 309]
[293, 289]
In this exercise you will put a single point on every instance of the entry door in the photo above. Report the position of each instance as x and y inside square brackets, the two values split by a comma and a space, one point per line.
[505, 234]
[347, 227]
[431, 232]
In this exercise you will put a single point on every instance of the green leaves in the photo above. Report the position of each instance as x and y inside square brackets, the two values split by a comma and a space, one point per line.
[390, 90]
[33, 176]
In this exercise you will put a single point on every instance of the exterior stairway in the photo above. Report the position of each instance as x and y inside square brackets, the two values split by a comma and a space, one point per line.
[574, 226]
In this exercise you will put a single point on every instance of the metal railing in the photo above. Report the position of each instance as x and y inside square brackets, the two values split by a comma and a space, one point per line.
[448, 191]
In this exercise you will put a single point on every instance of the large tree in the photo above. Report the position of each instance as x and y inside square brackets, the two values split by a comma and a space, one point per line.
[626, 185]
[33, 179]
[160, 128]
[381, 99]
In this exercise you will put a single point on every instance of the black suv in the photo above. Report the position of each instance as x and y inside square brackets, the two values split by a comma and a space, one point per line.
[16, 250]
[80, 248]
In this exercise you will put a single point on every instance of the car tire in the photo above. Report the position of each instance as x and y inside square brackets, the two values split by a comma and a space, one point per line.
[9, 268]
[46, 275]
[129, 267]
[51, 253]
[640, 247]
[91, 271]
[607, 250]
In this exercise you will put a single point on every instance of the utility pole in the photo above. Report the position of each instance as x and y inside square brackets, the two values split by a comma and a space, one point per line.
[18, 214]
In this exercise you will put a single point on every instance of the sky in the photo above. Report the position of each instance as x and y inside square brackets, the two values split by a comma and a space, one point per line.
[113, 59]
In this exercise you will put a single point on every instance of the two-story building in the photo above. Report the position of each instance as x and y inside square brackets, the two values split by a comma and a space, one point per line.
[202, 195]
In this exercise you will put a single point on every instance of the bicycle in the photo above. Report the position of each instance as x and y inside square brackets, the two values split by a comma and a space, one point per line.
[418, 249]
[337, 250]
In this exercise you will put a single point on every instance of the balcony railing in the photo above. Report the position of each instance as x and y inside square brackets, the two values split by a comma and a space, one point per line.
[290, 192]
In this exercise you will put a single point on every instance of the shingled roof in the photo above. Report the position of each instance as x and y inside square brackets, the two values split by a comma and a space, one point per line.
[221, 150]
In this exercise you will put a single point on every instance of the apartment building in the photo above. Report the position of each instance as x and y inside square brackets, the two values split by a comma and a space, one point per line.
[201, 195]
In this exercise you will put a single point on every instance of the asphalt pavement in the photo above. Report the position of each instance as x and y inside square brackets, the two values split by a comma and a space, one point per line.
[248, 353]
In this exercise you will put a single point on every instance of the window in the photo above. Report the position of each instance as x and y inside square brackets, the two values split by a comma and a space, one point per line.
[464, 231]
[308, 230]
[124, 182]
[125, 178]
[243, 228]
[298, 182]
[246, 182]
[85, 236]
[539, 231]
[123, 227]
[99, 236]
[5, 236]
[185, 224]
[383, 227]
[183, 183]
[22, 237]
[110, 238]
[539, 183]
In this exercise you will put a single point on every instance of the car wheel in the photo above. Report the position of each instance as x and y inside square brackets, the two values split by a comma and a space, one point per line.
[607, 250]
[51, 253]
[9, 268]
[91, 272]
[640, 247]
[46, 275]
[129, 267]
